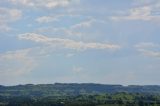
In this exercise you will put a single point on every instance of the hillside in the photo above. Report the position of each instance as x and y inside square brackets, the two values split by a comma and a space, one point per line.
[87, 94]
[74, 89]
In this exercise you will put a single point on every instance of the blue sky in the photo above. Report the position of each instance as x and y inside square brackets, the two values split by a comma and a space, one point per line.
[98, 41]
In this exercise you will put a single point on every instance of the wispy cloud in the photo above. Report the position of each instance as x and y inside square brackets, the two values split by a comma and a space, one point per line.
[142, 13]
[7, 16]
[42, 3]
[150, 53]
[146, 45]
[83, 24]
[77, 69]
[74, 30]
[147, 11]
[67, 43]
[77, 30]
[16, 63]
[144, 2]
[53, 17]
[149, 49]
[5, 28]
[47, 19]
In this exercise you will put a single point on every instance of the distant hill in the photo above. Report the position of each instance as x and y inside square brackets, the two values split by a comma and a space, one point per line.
[73, 89]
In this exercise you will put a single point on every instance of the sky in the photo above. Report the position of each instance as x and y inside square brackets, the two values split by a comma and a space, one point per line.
[80, 41]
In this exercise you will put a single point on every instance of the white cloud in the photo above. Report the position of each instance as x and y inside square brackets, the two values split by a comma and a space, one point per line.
[83, 24]
[67, 43]
[53, 17]
[8, 16]
[43, 3]
[146, 45]
[86, 23]
[5, 28]
[148, 49]
[150, 53]
[142, 13]
[65, 32]
[47, 19]
[146, 11]
[16, 63]
[144, 2]
[77, 69]
[21, 62]
[70, 55]
[77, 31]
